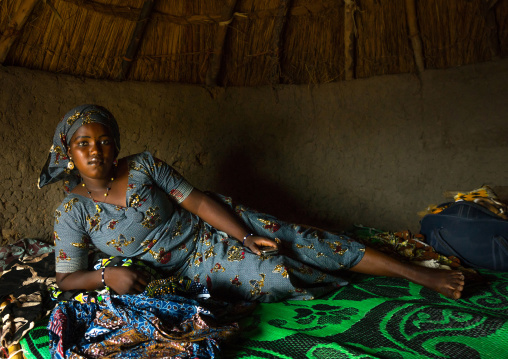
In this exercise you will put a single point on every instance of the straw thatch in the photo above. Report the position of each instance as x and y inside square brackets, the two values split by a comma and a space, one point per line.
[249, 42]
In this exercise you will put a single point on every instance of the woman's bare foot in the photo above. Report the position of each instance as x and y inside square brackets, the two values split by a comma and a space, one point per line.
[449, 283]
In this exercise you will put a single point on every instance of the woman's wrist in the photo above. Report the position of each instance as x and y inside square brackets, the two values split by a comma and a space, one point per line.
[245, 238]
[103, 279]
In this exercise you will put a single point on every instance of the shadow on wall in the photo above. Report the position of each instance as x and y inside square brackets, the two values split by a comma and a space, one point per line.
[240, 180]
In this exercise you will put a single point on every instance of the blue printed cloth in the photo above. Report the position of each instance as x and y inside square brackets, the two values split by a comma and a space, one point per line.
[154, 324]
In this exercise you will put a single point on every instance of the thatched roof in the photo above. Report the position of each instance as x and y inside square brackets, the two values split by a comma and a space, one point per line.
[249, 42]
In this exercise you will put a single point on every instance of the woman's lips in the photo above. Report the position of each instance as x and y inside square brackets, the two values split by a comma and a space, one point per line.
[96, 161]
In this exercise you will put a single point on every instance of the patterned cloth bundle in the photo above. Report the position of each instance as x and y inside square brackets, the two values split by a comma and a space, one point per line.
[171, 318]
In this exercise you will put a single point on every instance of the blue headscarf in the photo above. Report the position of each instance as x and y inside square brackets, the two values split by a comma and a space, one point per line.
[56, 167]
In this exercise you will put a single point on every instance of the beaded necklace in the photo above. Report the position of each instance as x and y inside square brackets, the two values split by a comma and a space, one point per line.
[99, 210]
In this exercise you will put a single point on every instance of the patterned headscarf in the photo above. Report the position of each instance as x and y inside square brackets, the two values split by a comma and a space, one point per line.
[56, 167]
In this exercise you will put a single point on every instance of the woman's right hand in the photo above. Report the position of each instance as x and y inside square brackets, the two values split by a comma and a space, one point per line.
[254, 243]
[125, 280]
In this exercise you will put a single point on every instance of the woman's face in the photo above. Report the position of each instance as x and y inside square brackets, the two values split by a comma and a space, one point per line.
[93, 150]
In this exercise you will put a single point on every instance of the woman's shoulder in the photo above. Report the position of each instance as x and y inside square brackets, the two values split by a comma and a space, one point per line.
[144, 161]
[144, 157]
[70, 200]
[73, 205]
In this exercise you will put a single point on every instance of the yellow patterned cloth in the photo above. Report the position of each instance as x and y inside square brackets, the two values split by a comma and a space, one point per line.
[483, 196]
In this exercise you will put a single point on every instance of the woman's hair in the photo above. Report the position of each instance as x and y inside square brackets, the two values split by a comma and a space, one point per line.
[57, 166]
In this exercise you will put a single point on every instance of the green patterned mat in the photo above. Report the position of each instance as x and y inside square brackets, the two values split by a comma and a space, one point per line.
[35, 344]
[371, 318]
[381, 318]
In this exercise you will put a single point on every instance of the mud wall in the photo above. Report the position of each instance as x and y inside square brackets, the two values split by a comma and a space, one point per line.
[371, 152]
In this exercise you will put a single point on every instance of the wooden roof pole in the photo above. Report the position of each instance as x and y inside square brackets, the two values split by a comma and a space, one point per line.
[137, 35]
[14, 27]
[349, 39]
[490, 19]
[414, 34]
[282, 16]
[218, 47]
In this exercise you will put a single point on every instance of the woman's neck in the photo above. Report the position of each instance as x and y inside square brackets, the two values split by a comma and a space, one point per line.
[97, 184]
[96, 188]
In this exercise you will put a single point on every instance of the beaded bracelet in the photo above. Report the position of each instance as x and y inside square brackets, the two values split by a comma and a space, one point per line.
[102, 277]
[246, 236]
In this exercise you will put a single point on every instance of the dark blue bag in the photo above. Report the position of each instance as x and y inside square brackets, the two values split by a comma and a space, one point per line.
[471, 232]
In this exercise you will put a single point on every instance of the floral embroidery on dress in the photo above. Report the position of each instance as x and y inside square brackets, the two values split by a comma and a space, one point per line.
[58, 214]
[85, 243]
[135, 200]
[148, 244]
[236, 253]
[257, 285]
[270, 225]
[138, 167]
[62, 256]
[55, 237]
[162, 256]
[209, 253]
[236, 281]
[337, 248]
[152, 218]
[68, 205]
[198, 259]
[280, 268]
[206, 238]
[94, 221]
[217, 268]
[178, 229]
[120, 242]
[183, 247]
[308, 246]
[112, 224]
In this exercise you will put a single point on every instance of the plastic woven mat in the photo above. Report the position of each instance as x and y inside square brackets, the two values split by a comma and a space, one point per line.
[382, 318]
[373, 317]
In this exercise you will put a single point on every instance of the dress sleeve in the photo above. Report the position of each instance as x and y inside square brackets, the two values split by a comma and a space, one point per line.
[166, 177]
[72, 242]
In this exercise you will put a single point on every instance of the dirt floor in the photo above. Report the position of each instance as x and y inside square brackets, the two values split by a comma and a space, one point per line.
[372, 152]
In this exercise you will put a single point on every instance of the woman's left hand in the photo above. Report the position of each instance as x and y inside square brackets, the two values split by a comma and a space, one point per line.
[255, 243]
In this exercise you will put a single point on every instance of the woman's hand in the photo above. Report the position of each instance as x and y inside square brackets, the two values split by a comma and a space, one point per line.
[254, 243]
[125, 280]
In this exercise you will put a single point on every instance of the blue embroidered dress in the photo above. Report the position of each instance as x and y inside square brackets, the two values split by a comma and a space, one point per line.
[154, 228]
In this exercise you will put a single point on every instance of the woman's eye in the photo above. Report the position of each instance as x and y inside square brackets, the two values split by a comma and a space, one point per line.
[82, 143]
[105, 142]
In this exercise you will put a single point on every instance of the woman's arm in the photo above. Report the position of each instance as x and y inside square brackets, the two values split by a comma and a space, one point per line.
[219, 217]
[122, 280]
[72, 244]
